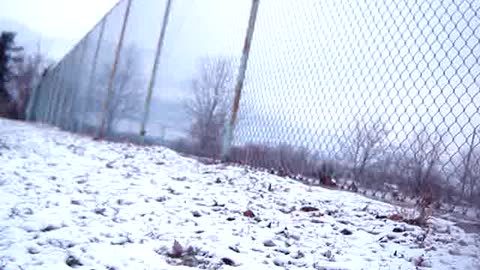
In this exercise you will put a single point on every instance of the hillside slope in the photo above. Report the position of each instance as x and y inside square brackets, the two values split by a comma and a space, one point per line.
[68, 201]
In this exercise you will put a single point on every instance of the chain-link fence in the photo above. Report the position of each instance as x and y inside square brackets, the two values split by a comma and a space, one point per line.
[374, 91]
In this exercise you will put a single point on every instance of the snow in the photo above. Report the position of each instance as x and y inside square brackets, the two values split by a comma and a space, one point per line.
[101, 205]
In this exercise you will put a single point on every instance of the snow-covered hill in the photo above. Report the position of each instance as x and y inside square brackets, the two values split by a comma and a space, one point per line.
[68, 201]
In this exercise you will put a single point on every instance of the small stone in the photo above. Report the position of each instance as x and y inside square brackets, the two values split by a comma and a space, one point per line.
[73, 262]
[100, 211]
[278, 262]
[75, 202]
[383, 240]
[50, 228]
[119, 241]
[308, 209]
[82, 181]
[230, 219]
[346, 232]
[331, 212]
[398, 230]
[298, 255]
[228, 261]
[462, 243]
[269, 243]
[33, 250]
[196, 214]
[28, 211]
[234, 248]
[283, 251]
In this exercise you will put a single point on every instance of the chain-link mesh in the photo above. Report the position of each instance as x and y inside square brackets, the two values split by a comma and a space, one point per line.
[383, 89]
[196, 75]
[374, 91]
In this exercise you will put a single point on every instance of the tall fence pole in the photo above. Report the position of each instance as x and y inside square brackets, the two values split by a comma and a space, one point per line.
[56, 87]
[32, 101]
[153, 76]
[79, 63]
[240, 79]
[59, 113]
[51, 97]
[101, 131]
[93, 74]
[44, 105]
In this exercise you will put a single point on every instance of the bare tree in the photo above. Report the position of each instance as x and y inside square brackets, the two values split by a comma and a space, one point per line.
[470, 167]
[27, 73]
[366, 147]
[126, 98]
[9, 54]
[421, 163]
[208, 104]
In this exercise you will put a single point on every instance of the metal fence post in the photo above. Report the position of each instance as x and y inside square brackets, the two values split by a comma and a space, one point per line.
[240, 79]
[44, 104]
[32, 113]
[37, 112]
[49, 98]
[78, 68]
[62, 96]
[32, 101]
[54, 87]
[93, 73]
[153, 76]
[101, 131]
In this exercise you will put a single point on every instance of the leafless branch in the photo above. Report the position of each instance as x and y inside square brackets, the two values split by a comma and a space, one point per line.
[125, 102]
[470, 167]
[366, 146]
[208, 104]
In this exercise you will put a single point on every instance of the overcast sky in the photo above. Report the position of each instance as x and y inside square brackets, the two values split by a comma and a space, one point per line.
[56, 19]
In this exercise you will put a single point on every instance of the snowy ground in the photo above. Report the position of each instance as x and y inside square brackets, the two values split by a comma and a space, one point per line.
[68, 201]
